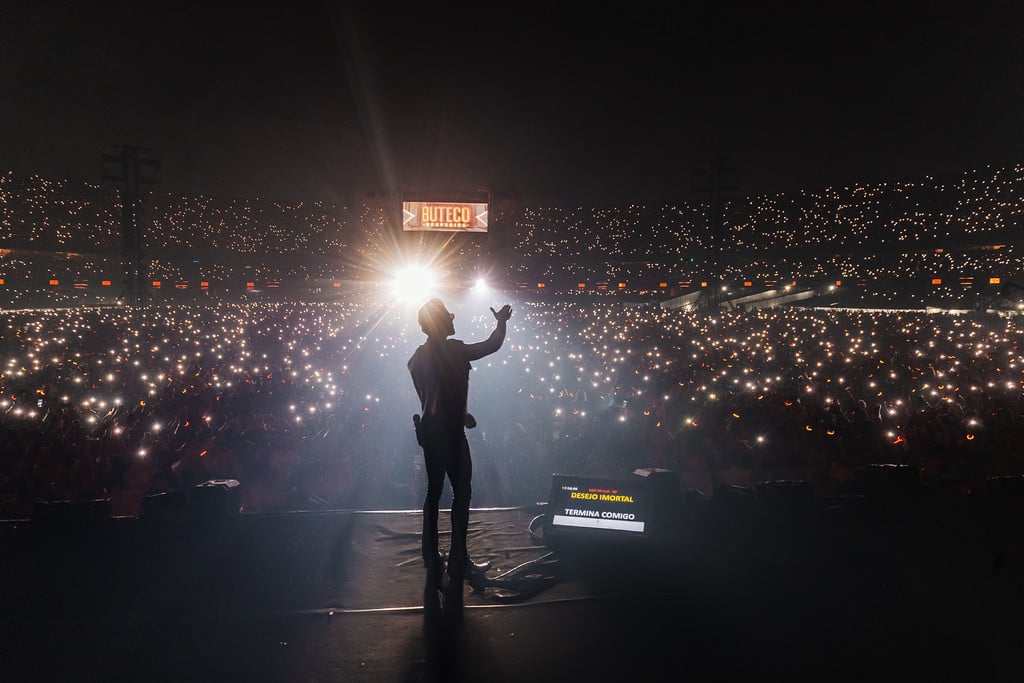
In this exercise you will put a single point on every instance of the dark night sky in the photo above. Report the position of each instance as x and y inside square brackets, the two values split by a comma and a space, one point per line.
[327, 100]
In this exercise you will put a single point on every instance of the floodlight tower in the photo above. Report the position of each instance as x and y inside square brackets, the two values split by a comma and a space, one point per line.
[714, 177]
[135, 169]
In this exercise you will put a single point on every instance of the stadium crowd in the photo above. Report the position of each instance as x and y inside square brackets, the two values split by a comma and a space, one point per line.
[305, 398]
[309, 405]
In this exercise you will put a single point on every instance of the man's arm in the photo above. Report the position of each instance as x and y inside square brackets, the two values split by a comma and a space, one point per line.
[497, 338]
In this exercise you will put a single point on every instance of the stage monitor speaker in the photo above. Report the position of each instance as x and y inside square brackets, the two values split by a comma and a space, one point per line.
[785, 496]
[890, 480]
[217, 497]
[1005, 495]
[666, 499]
[1009, 486]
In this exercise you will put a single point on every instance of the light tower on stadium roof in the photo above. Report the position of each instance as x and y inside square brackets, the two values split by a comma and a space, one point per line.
[136, 170]
[716, 178]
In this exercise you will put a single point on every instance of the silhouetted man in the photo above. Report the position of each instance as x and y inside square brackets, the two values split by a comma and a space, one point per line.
[440, 371]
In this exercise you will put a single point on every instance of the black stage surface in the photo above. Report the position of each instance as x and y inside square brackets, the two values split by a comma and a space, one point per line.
[925, 587]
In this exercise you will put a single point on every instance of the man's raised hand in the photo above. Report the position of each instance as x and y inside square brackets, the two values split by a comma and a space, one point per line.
[502, 315]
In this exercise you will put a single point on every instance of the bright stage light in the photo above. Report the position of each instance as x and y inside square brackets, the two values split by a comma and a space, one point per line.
[480, 285]
[413, 282]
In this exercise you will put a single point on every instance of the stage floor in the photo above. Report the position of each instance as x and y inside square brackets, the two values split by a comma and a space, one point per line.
[340, 596]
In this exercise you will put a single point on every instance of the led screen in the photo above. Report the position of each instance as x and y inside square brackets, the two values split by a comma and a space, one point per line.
[593, 503]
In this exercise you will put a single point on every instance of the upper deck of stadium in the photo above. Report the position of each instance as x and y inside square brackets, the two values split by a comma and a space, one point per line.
[933, 236]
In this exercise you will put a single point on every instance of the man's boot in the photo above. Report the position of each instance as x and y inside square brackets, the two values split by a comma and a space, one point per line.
[476, 567]
[476, 573]
[435, 570]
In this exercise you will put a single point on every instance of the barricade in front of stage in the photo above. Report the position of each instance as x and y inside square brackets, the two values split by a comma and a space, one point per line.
[207, 501]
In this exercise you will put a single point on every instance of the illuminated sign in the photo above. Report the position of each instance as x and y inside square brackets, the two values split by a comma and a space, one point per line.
[612, 505]
[444, 216]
